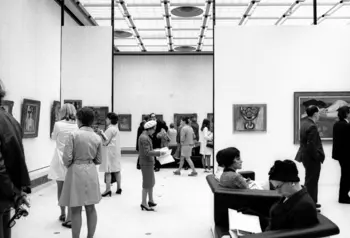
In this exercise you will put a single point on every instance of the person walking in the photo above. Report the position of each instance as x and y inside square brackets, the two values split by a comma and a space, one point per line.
[82, 153]
[172, 133]
[340, 152]
[204, 137]
[57, 170]
[311, 152]
[147, 160]
[111, 154]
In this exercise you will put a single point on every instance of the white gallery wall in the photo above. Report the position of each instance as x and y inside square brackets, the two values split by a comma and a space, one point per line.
[267, 65]
[164, 85]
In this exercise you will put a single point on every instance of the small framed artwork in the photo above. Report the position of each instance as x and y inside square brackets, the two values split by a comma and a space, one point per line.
[178, 116]
[124, 122]
[55, 114]
[328, 104]
[7, 105]
[30, 118]
[100, 117]
[158, 116]
[249, 117]
[210, 117]
[77, 103]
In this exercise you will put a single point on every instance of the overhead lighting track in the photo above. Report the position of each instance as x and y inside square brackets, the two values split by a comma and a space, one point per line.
[250, 9]
[289, 12]
[168, 28]
[128, 18]
[204, 25]
[332, 10]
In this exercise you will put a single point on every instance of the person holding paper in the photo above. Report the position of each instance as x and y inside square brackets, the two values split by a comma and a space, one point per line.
[146, 155]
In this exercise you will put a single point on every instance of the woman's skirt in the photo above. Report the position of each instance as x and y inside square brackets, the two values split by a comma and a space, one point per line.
[148, 179]
[186, 150]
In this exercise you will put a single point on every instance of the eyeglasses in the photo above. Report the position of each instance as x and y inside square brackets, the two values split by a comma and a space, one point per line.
[279, 186]
[19, 213]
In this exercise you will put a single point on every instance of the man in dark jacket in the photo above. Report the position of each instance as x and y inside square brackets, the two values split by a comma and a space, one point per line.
[340, 151]
[14, 177]
[311, 152]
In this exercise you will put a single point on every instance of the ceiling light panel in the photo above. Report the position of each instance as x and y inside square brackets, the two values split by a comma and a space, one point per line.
[343, 11]
[157, 48]
[129, 49]
[184, 2]
[207, 48]
[148, 42]
[186, 42]
[154, 34]
[146, 11]
[99, 11]
[232, 2]
[181, 34]
[269, 11]
[186, 23]
[260, 22]
[144, 2]
[149, 23]
[227, 22]
[234, 11]
[208, 41]
[297, 22]
[95, 1]
[128, 41]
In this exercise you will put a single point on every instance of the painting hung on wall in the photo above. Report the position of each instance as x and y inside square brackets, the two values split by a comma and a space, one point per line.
[55, 114]
[249, 117]
[7, 105]
[100, 117]
[77, 103]
[178, 116]
[124, 122]
[158, 116]
[210, 117]
[30, 118]
[328, 104]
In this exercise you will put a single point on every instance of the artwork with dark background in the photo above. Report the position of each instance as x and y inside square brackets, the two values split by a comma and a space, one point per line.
[210, 117]
[124, 122]
[100, 117]
[77, 103]
[55, 114]
[178, 116]
[7, 105]
[328, 104]
[158, 116]
[249, 117]
[30, 118]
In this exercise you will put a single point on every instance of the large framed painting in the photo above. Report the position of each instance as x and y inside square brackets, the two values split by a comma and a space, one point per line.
[178, 116]
[100, 117]
[30, 118]
[328, 104]
[124, 122]
[249, 117]
[158, 116]
[55, 114]
[77, 103]
[7, 105]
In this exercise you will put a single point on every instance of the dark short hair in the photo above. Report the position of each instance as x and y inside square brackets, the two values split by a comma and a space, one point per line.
[285, 171]
[186, 119]
[343, 112]
[226, 157]
[86, 115]
[172, 125]
[146, 118]
[311, 110]
[113, 117]
[205, 123]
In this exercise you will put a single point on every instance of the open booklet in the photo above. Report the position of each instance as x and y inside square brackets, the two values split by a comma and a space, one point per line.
[167, 158]
[242, 224]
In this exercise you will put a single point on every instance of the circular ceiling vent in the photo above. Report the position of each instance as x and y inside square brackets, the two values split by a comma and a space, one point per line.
[185, 48]
[122, 34]
[187, 11]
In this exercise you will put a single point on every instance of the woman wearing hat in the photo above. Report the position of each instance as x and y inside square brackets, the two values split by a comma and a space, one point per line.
[147, 161]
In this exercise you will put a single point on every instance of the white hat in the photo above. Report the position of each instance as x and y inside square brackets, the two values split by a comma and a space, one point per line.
[150, 124]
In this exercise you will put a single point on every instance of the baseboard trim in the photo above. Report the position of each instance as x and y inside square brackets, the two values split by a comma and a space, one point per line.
[129, 152]
[39, 181]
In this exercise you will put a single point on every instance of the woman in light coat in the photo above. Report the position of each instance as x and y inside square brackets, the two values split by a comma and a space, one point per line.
[204, 136]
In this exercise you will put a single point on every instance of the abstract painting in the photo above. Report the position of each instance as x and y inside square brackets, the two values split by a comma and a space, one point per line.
[249, 117]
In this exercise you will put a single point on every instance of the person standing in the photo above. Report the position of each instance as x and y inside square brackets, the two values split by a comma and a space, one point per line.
[156, 142]
[172, 133]
[187, 143]
[139, 132]
[14, 177]
[340, 152]
[111, 154]
[204, 137]
[82, 153]
[147, 160]
[311, 152]
[57, 170]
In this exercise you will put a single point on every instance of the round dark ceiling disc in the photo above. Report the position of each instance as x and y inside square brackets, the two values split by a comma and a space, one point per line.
[187, 11]
[185, 48]
[122, 34]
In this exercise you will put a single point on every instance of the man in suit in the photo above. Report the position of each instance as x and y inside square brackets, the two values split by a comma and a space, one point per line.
[311, 152]
[340, 151]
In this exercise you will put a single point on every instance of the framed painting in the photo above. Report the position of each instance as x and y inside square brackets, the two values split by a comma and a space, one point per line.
[328, 104]
[210, 117]
[249, 117]
[178, 116]
[124, 122]
[158, 116]
[30, 118]
[100, 117]
[77, 103]
[7, 105]
[55, 114]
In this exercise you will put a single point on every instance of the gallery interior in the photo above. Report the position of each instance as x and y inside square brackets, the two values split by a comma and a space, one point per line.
[172, 57]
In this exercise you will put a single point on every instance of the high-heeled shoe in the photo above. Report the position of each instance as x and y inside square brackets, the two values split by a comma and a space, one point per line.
[146, 208]
[152, 204]
[119, 191]
[106, 194]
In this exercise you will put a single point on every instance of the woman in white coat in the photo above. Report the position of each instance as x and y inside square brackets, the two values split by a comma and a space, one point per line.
[204, 136]
[57, 170]
[111, 154]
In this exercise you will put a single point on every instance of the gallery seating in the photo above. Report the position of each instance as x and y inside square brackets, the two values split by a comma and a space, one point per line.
[261, 201]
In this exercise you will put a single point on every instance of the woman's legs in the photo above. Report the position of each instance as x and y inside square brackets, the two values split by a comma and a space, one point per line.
[150, 195]
[108, 182]
[91, 217]
[182, 161]
[204, 162]
[119, 179]
[76, 221]
[59, 191]
[144, 197]
[207, 161]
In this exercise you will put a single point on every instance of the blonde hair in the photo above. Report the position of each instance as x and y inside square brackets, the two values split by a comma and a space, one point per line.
[68, 112]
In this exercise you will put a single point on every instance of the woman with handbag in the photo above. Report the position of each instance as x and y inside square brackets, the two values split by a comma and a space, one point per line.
[82, 153]
[206, 149]
[111, 154]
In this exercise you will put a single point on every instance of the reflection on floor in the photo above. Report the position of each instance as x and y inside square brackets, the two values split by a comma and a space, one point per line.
[184, 209]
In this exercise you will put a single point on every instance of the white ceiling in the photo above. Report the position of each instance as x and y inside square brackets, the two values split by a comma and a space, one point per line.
[147, 16]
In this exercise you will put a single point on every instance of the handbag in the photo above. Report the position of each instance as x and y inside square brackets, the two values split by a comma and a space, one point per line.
[210, 144]
[113, 177]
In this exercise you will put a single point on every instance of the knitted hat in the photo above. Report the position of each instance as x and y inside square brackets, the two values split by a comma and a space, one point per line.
[285, 171]
[150, 124]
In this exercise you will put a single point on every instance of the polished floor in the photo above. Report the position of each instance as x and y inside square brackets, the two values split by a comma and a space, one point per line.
[184, 209]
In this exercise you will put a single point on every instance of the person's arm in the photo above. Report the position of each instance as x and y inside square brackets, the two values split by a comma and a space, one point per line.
[206, 133]
[98, 158]
[311, 138]
[146, 146]
[240, 182]
[68, 151]
[183, 132]
[109, 136]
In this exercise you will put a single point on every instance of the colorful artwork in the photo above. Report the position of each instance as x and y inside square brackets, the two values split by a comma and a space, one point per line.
[7, 105]
[55, 114]
[30, 118]
[249, 117]
[78, 104]
[124, 122]
[328, 104]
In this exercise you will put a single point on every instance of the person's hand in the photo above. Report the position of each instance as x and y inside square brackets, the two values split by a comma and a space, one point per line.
[162, 153]
[22, 199]
[248, 180]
